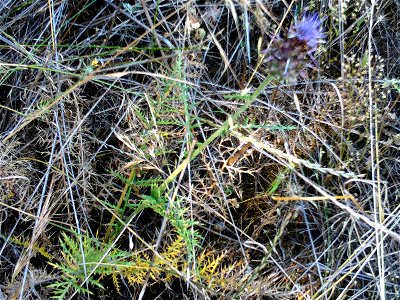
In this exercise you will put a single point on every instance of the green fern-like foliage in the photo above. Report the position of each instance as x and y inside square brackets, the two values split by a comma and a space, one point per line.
[85, 263]
[177, 216]
[79, 263]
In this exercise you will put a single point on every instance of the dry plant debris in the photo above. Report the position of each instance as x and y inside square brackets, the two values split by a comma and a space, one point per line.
[199, 149]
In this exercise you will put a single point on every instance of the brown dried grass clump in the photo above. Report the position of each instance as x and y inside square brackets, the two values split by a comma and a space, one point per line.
[138, 158]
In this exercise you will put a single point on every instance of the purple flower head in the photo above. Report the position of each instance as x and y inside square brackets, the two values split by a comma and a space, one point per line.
[292, 56]
[308, 30]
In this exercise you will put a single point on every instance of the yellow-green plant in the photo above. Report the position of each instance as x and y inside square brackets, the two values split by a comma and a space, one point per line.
[37, 248]
[93, 266]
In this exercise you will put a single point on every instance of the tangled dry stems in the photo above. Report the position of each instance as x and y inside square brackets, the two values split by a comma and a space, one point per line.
[93, 91]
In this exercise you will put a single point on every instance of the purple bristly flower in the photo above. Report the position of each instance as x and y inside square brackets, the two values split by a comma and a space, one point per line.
[291, 56]
[308, 30]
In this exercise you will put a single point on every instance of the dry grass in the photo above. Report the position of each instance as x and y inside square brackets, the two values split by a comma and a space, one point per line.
[138, 158]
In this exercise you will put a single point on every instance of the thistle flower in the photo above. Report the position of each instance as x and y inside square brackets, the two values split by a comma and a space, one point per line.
[292, 56]
[309, 30]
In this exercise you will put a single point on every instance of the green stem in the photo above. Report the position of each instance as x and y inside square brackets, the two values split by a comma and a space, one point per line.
[119, 204]
[224, 127]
